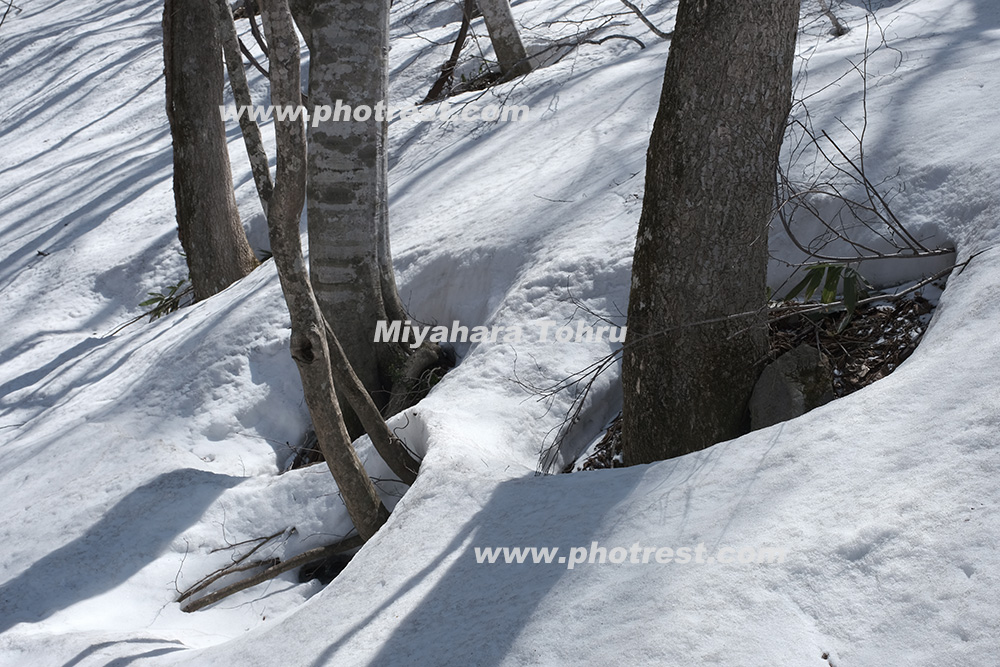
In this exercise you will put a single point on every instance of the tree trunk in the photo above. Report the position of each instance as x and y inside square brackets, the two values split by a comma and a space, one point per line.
[241, 96]
[505, 37]
[308, 342]
[347, 187]
[693, 353]
[208, 222]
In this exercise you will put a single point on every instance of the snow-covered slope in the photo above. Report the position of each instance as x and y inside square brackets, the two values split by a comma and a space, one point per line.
[128, 463]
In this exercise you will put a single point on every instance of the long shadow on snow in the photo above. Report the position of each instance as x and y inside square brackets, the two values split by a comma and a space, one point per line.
[120, 662]
[486, 606]
[126, 538]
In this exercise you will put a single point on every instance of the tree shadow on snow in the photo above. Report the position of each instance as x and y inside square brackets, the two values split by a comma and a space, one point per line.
[127, 537]
[485, 607]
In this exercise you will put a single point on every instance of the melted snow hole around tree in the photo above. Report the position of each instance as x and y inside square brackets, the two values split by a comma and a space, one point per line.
[814, 358]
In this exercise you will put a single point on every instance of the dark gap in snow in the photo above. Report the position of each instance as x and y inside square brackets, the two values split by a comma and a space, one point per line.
[878, 338]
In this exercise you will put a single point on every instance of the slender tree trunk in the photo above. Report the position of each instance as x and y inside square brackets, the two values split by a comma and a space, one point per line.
[241, 95]
[505, 37]
[388, 446]
[309, 336]
[442, 86]
[208, 222]
[701, 249]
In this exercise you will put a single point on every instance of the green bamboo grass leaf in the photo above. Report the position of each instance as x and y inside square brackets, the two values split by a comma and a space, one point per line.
[815, 279]
[833, 274]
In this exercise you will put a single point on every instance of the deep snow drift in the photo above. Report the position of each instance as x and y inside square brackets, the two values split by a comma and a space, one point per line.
[129, 463]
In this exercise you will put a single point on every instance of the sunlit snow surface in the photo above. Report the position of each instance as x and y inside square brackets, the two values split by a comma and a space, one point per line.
[128, 461]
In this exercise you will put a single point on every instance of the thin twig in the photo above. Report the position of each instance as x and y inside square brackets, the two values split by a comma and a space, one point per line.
[649, 24]
[10, 4]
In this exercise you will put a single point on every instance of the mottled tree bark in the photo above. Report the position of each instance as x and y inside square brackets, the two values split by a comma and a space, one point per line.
[309, 336]
[349, 256]
[701, 248]
[505, 37]
[208, 222]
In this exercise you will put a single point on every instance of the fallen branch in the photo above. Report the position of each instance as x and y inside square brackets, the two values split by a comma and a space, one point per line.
[236, 566]
[219, 574]
[303, 558]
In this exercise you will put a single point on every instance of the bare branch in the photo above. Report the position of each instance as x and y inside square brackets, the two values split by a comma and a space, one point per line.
[649, 24]
[303, 558]
[389, 447]
[253, 61]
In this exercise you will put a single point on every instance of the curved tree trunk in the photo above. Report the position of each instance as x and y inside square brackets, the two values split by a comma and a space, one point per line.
[309, 338]
[701, 249]
[208, 221]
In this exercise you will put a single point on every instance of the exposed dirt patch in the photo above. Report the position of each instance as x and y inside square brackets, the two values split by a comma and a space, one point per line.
[874, 343]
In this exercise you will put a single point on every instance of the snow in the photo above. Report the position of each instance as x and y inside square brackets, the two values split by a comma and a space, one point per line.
[128, 461]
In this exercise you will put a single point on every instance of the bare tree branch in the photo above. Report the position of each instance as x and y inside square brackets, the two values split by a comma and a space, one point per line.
[253, 61]
[649, 24]
[303, 558]
[389, 447]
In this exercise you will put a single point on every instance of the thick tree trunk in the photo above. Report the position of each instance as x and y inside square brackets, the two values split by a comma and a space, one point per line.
[208, 222]
[505, 37]
[347, 187]
[309, 336]
[701, 249]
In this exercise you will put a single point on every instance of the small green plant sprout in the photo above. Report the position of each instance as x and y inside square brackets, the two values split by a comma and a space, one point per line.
[161, 304]
[831, 279]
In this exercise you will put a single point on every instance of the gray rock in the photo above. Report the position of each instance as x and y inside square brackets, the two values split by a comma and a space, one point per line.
[795, 383]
